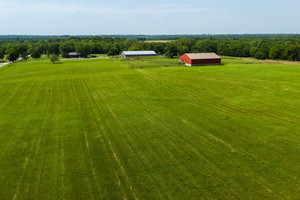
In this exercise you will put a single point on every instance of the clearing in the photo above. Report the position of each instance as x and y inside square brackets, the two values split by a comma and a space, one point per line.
[149, 129]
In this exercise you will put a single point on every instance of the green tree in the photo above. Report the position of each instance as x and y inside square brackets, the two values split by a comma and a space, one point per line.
[182, 49]
[134, 47]
[53, 48]
[25, 56]
[260, 53]
[276, 52]
[98, 49]
[13, 54]
[65, 48]
[206, 45]
[35, 53]
[84, 48]
[2, 54]
[41, 45]
[291, 52]
[105, 46]
[129, 43]
[113, 51]
[253, 50]
[159, 48]
[23, 48]
[223, 47]
[54, 58]
[171, 50]
[188, 42]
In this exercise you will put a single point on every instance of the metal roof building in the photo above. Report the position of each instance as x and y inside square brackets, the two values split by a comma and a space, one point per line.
[137, 53]
[196, 59]
[74, 55]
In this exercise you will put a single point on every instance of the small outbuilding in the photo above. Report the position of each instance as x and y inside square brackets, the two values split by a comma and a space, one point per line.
[74, 55]
[126, 54]
[198, 59]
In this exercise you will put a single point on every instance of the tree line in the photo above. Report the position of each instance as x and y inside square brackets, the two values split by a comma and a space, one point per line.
[281, 47]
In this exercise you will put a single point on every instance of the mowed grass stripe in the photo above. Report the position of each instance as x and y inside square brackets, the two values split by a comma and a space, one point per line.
[122, 173]
[216, 104]
[164, 134]
[121, 121]
[23, 146]
[118, 121]
[137, 114]
[217, 91]
[175, 89]
[10, 137]
[41, 161]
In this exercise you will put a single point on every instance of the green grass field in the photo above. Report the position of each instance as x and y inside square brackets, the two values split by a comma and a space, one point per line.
[149, 129]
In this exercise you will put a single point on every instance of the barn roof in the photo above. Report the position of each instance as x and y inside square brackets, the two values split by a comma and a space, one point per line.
[196, 56]
[130, 53]
[73, 54]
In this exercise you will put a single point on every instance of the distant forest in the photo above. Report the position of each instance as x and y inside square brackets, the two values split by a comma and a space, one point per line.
[265, 46]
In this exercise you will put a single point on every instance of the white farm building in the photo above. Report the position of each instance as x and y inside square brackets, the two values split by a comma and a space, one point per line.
[137, 53]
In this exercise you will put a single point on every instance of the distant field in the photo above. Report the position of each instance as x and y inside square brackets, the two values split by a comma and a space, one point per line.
[149, 129]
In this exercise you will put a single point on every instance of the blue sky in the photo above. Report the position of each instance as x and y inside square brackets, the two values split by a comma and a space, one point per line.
[91, 17]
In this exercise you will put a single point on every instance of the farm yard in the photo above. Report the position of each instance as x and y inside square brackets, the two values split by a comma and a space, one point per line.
[149, 129]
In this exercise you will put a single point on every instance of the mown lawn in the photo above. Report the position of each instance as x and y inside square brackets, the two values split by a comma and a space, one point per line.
[149, 129]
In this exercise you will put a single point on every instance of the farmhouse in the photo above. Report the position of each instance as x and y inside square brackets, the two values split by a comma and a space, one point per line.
[73, 55]
[197, 59]
[137, 53]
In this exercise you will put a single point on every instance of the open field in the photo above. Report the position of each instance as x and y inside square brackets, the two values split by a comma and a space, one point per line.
[274, 61]
[149, 129]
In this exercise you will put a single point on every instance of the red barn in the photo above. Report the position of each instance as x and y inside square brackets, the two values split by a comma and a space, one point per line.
[197, 59]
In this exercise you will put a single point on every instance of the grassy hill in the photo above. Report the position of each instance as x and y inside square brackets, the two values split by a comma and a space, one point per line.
[149, 129]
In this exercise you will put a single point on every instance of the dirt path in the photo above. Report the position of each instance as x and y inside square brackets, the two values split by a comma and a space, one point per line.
[5, 63]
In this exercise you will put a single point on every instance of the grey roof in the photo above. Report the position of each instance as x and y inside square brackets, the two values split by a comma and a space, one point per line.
[73, 54]
[131, 53]
[203, 56]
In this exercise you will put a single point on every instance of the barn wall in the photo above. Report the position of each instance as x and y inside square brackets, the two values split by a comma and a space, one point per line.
[206, 61]
[186, 58]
